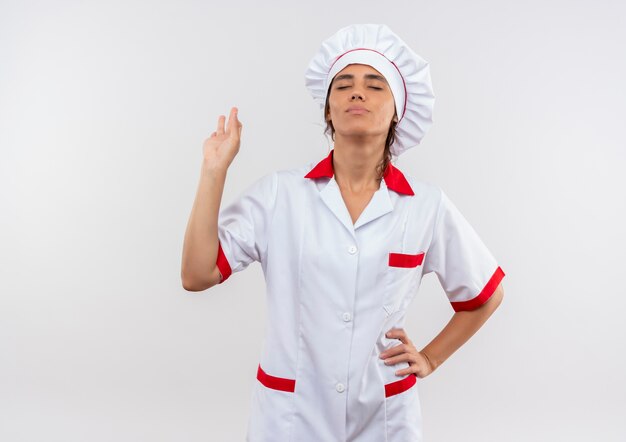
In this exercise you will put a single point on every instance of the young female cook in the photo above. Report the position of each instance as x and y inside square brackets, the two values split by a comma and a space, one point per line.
[344, 243]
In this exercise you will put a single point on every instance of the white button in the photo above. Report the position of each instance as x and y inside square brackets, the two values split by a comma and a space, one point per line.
[347, 316]
[352, 250]
[340, 387]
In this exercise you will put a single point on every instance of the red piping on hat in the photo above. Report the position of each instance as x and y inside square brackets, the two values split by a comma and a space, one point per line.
[394, 65]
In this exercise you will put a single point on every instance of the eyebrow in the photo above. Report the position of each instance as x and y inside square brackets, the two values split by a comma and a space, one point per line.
[367, 77]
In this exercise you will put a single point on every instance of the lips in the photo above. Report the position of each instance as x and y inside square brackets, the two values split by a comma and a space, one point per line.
[357, 110]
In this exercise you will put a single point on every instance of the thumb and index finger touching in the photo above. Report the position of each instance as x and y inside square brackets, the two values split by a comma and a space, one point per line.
[234, 125]
[230, 127]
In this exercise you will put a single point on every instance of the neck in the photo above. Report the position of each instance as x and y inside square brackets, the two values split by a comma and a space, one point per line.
[355, 161]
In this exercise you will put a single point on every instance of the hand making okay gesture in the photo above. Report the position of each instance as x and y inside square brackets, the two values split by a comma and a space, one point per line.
[221, 147]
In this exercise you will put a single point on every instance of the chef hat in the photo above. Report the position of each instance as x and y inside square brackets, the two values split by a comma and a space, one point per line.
[406, 72]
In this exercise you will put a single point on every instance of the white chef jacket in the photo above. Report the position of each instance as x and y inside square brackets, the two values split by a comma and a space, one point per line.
[335, 288]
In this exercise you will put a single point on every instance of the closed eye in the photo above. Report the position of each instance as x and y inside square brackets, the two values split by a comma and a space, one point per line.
[373, 87]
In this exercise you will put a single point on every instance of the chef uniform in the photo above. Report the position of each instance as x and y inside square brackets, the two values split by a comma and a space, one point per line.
[334, 287]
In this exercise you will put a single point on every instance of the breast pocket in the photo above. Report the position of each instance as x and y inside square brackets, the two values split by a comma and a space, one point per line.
[403, 270]
[406, 260]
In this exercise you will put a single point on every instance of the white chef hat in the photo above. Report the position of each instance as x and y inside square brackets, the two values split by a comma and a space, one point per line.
[406, 72]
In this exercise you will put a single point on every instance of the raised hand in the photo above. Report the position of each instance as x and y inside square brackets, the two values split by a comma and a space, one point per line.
[220, 148]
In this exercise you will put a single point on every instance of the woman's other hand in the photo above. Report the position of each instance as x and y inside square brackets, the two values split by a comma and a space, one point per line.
[406, 352]
[221, 147]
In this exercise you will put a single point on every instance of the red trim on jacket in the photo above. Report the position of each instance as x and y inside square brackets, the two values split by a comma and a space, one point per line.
[401, 385]
[394, 178]
[405, 260]
[483, 296]
[222, 263]
[269, 381]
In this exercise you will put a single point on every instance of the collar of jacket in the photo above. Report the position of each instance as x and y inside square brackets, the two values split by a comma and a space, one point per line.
[394, 178]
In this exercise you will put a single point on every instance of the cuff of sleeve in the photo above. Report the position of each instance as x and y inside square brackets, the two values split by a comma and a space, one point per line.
[222, 264]
[483, 296]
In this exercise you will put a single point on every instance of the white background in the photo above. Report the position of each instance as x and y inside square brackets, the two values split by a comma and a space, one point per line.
[103, 111]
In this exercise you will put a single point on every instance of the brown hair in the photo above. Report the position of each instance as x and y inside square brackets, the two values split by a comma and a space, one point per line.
[391, 135]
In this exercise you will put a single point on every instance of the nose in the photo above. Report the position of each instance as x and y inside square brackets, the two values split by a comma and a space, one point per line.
[358, 91]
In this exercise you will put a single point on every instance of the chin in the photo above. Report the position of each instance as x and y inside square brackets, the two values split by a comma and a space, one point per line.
[362, 130]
